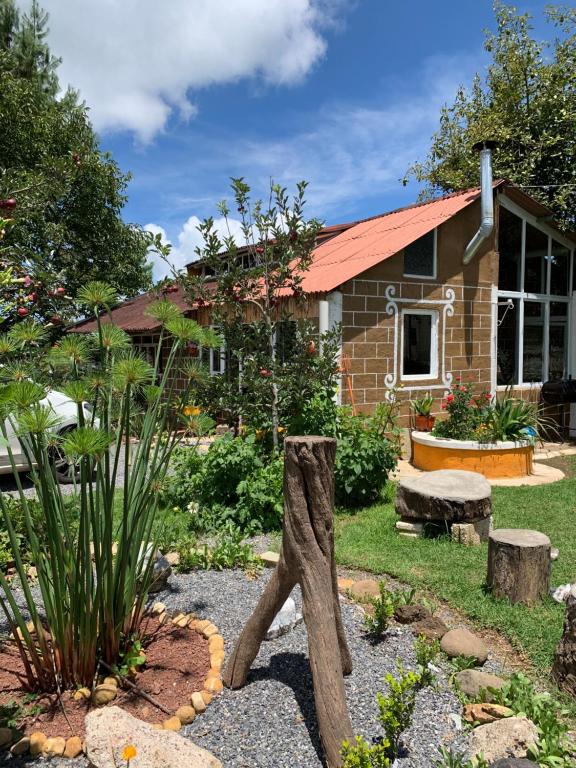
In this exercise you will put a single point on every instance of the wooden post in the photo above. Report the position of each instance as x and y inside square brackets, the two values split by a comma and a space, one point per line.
[519, 564]
[307, 559]
[564, 667]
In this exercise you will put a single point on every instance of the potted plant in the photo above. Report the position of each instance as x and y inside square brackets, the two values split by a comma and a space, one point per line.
[422, 407]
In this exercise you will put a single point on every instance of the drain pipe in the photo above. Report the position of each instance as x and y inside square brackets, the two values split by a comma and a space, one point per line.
[486, 200]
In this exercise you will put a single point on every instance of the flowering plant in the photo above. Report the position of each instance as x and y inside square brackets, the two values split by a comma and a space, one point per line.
[488, 419]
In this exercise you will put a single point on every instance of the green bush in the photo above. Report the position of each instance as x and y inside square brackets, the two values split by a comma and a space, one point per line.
[235, 483]
[364, 459]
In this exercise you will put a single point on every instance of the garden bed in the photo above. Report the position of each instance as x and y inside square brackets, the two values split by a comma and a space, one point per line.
[497, 459]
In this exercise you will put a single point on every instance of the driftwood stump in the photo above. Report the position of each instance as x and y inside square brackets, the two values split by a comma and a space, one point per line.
[307, 559]
[519, 564]
[564, 667]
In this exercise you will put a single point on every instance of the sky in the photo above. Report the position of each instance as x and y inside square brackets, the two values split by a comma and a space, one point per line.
[342, 93]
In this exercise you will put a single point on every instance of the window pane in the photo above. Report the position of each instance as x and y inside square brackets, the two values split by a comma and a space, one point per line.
[417, 345]
[419, 257]
[510, 249]
[536, 260]
[559, 269]
[557, 351]
[507, 372]
[533, 342]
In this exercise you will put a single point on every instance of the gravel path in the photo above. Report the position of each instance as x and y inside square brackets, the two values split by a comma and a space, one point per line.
[271, 722]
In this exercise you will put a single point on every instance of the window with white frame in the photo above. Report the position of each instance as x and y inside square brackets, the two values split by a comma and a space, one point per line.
[534, 290]
[419, 347]
[215, 358]
[420, 256]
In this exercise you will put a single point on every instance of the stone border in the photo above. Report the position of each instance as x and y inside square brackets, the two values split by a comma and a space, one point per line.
[39, 745]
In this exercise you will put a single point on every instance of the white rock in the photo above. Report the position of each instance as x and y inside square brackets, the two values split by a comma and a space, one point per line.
[110, 729]
[285, 620]
[561, 593]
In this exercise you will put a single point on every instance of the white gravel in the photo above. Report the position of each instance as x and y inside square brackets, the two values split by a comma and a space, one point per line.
[271, 722]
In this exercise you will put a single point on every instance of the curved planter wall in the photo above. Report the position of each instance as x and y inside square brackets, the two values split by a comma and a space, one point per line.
[501, 459]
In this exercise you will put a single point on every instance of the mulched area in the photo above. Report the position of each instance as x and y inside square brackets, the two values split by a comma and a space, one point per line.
[177, 661]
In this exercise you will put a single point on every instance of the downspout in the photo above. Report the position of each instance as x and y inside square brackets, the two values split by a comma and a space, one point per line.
[486, 201]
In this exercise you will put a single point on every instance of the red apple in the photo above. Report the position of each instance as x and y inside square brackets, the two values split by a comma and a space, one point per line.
[32, 297]
[9, 204]
[265, 373]
[311, 348]
[259, 249]
[60, 291]
[22, 311]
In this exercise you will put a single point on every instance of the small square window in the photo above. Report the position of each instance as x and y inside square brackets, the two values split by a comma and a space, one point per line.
[419, 344]
[420, 256]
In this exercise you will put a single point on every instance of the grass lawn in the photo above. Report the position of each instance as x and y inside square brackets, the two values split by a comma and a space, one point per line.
[368, 540]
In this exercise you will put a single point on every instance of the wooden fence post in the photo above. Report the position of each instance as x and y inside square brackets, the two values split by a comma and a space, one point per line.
[307, 559]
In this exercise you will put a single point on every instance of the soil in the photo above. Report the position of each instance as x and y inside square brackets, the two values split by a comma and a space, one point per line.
[177, 662]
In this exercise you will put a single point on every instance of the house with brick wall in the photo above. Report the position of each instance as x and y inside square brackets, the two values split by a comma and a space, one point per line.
[417, 308]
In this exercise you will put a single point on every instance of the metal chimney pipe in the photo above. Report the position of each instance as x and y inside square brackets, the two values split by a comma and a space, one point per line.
[486, 200]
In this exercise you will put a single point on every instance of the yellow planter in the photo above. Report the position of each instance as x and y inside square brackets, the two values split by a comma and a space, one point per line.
[501, 459]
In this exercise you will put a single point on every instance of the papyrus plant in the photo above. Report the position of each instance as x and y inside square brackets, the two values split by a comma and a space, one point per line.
[94, 575]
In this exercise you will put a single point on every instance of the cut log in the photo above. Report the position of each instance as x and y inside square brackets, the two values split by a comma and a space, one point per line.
[519, 565]
[447, 495]
[307, 559]
[564, 667]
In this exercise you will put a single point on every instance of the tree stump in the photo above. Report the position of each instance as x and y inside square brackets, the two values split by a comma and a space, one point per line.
[307, 559]
[446, 495]
[519, 564]
[564, 667]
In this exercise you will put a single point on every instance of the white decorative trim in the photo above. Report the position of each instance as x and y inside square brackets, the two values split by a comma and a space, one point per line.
[425, 438]
[447, 304]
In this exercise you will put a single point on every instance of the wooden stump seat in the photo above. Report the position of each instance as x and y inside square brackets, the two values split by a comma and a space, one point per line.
[519, 564]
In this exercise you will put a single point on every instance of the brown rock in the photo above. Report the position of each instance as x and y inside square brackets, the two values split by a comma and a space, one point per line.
[172, 724]
[82, 694]
[462, 642]
[110, 681]
[270, 559]
[21, 747]
[216, 643]
[485, 713]
[54, 747]
[158, 608]
[37, 740]
[173, 558]
[198, 702]
[472, 681]
[408, 614]
[104, 694]
[5, 736]
[365, 590]
[186, 714]
[210, 630]
[207, 696]
[73, 747]
[432, 628]
[213, 684]
[345, 584]
[108, 731]
[509, 737]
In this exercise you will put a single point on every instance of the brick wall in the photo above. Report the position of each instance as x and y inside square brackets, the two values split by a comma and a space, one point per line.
[368, 330]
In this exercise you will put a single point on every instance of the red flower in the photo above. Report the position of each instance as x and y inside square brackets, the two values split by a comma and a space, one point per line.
[443, 406]
[450, 399]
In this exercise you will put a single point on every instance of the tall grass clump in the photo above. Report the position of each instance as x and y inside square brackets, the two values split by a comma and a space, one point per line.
[93, 576]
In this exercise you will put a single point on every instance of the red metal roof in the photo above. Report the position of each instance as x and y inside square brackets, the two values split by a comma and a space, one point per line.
[344, 252]
[131, 314]
[367, 243]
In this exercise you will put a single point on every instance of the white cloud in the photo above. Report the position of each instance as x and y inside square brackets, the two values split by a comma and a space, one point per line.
[134, 61]
[347, 152]
[183, 251]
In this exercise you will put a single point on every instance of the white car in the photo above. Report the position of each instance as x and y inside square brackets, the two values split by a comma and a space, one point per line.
[67, 412]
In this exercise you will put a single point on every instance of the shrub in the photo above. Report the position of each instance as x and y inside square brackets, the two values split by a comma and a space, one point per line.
[383, 609]
[228, 551]
[364, 459]
[465, 413]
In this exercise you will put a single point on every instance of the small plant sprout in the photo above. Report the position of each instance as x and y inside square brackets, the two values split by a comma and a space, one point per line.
[426, 651]
[376, 623]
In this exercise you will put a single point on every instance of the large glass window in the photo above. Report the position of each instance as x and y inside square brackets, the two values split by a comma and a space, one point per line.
[536, 260]
[420, 256]
[559, 269]
[510, 249]
[419, 344]
[534, 269]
